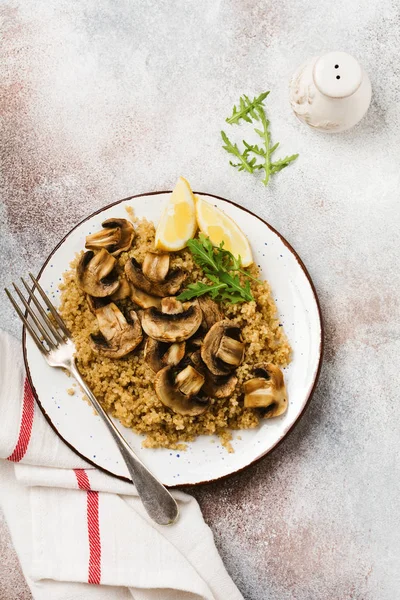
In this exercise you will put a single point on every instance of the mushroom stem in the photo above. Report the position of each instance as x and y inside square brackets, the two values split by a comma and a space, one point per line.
[174, 354]
[106, 238]
[116, 236]
[155, 266]
[230, 351]
[171, 396]
[171, 306]
[94, 274]
[267, 390]
[262, 398]
[189, 381]
[223, 349]
[158, 354]
[117, 337]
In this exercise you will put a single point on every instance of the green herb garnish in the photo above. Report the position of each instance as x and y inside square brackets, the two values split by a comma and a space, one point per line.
[254, 158]
[247, 107]
[222, 268]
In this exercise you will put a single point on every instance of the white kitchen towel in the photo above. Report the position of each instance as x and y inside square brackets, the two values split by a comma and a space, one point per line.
[81, 534]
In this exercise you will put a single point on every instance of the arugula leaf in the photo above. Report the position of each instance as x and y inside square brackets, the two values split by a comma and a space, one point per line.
[252, 110]
[222, 268]
[281, 164]
[227, 260]
[255, 149]
[243, 163]
[194, 290]
[203, 250]
[233, 283]
[248, 275]
[231, 298]
[266, 137]
[246, 107]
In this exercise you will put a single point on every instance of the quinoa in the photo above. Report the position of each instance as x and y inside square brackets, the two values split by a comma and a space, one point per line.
[125, 387]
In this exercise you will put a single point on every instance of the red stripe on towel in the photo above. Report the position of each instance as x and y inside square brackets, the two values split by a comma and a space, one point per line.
[82, 479]
[92, 502]
[94, 537]
[25, 430]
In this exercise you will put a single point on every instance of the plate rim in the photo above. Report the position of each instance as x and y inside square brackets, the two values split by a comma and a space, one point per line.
[314, 382]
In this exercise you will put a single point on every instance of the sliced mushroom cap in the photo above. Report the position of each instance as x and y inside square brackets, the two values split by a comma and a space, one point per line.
[159, 354]
[95, 303]
[171, 328]
[124, 290]
[116, 236]
[211, 312]
[222, 349]
[178, 393]
[219, 386]
[266, 390]
[117, 336]
[144, 300]
[105, 238]
[155, 266]
[215, 386]
[127, 234]
[94, 274]
[168, 287]
[195, 342]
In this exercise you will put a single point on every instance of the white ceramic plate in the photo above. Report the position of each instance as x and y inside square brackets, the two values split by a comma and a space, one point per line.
[205, 458]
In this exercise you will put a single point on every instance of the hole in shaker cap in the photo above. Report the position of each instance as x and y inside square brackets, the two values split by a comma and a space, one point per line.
[331, 80]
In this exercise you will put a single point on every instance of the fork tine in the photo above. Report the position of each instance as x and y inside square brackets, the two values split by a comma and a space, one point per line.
[51, 307]
[27, 325]
[50, 326]
[34, 318]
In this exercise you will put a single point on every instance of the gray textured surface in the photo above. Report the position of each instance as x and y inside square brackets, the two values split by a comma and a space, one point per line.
[102, 99]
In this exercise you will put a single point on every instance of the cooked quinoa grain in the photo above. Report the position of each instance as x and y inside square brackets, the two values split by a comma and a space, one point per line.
[125, 386]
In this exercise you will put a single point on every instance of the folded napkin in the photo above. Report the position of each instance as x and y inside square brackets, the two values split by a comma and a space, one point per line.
[81, 534]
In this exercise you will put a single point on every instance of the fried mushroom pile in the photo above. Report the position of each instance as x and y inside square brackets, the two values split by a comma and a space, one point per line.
[192, 349]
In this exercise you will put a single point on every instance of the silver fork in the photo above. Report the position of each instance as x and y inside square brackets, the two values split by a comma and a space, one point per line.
[58, 349]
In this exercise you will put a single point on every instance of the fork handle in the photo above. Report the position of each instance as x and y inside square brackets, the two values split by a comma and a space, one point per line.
[157, 500]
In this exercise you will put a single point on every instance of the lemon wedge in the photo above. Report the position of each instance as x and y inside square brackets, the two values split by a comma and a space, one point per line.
[178, 221]
[219, 227]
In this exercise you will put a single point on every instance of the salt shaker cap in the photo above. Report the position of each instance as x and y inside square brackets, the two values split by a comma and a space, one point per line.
[337, 74]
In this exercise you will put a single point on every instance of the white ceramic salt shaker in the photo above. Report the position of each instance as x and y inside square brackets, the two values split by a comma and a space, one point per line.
[330, 92]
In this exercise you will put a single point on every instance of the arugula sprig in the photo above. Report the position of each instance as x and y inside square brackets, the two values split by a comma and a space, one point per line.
[222, 268]
[247, 107]
[244, 163]
[253, 157]
[199, 288]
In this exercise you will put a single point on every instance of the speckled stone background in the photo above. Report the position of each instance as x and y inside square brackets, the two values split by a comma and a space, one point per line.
[103, 99]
